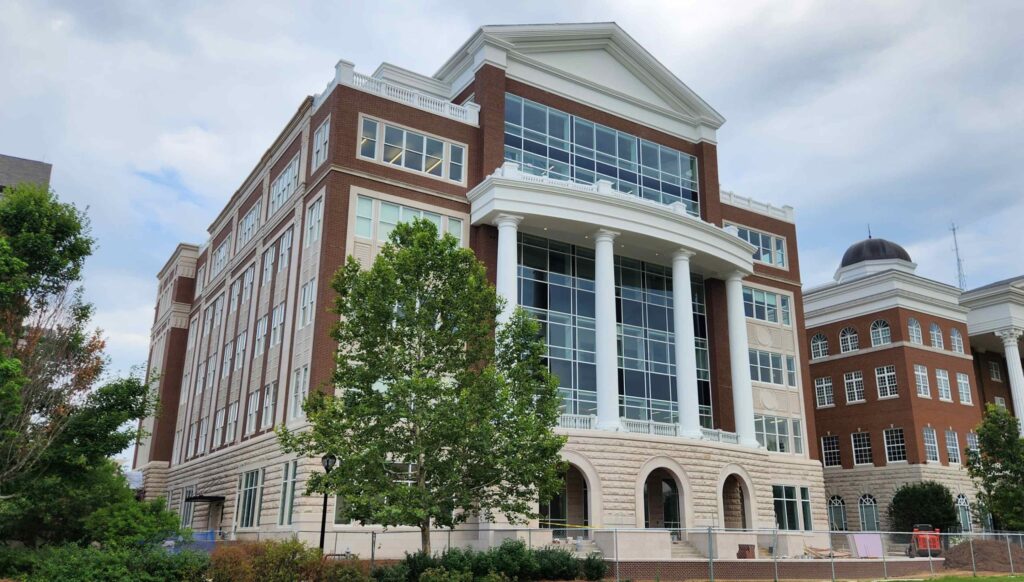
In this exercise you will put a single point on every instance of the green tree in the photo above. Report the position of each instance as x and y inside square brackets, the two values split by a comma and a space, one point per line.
[48, 357]
[434, 417]
[74, 476]
[922, 502]
[997, 468]
[132, 523]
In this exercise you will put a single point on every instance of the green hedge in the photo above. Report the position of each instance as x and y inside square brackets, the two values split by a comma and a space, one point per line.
[86, 564]
[512, 560]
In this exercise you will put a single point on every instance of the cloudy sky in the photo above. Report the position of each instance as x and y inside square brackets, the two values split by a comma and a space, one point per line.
[905, 116]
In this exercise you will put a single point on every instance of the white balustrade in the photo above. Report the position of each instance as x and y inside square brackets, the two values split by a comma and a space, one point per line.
[719, 436]
[345, 75]
[649, 427]
[577, 421]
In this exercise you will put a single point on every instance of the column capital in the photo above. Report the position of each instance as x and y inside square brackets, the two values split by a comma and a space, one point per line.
[507, 220]
[1010, 335]
[735, 276]
[682, 255]
[605, 235]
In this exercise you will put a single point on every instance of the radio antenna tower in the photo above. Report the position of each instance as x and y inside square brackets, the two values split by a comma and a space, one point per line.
[961, 278]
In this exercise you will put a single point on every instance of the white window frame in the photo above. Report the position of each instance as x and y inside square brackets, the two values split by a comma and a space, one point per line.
[218, 427]
[886, 382]
[269, 405]
[924, 389]
[187, 507]
[894, 446]
[300, 391]
[285, 250]
[774, 429]
[867, 500]
[289, 478]
[935, 332]
[819, 346]
[881, 333]
[204, 434]
[995, 371]
[854, 380]
[765, 371]
[250, 498]
[973, 443]
[831, 457]
[914, 331]
[777, 251]
[956, 340]
[447, 157]
[321, 143]
[260, 343]
[824, 396]
[768, 306]
[849, 340]
[229, 350]
[232, 423]
[931, 445]
[240, 342]
[249, 225]
[963, 388]
[268, 265]
[248, 280]
[277, 325]
[251, 411]
[859, 448]
[283, 186]
[942, 385]
[999, 401]
[307, 303]
[220, 258]
[314, 221]
[952, 447]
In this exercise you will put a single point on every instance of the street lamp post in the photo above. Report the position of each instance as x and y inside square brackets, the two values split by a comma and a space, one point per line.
[328, 462]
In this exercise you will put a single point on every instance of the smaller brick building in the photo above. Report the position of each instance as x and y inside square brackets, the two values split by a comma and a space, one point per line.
[896, 398]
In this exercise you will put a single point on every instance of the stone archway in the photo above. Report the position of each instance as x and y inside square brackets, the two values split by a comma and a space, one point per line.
[568, 512]
[736, 504]
[663, 501]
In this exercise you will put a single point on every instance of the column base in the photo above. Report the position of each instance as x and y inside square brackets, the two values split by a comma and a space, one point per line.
[750, 442]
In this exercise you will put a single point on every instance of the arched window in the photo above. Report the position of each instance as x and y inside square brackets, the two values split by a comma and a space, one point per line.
[936, 333]
[956, 341]
[836, 513]
[819, 346]
[868, 513]
[848, 340]
[880, 333]
[963, 511]
[914, 331]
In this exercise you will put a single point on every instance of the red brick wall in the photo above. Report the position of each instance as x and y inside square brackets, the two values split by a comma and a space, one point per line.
[162, 442]
[908, 411]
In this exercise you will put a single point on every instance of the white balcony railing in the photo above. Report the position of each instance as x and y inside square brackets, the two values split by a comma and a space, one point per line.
[720, 436]
[577, 421]
[345, 75]
[650, 427]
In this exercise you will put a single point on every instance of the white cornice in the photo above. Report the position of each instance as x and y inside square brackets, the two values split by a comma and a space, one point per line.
[839, 301]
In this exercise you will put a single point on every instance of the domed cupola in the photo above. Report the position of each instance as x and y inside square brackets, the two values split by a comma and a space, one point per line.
[873, 255]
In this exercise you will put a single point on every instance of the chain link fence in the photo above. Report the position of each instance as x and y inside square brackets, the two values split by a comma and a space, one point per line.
[706, 553]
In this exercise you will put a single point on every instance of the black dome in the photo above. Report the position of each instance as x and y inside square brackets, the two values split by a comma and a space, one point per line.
[873, 249]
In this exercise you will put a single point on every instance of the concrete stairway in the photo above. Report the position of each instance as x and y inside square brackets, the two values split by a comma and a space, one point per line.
[682, 550]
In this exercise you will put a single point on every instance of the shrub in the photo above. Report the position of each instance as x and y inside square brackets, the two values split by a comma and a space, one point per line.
[514, 560]
[115, 564]
[234, 562]
[418, 563]
[555, 564]
[132, 522]
[442, 575]
[923, 502]
[270, 561]
[593, 567]
[16, 562]
[396, 573]
[338, 571]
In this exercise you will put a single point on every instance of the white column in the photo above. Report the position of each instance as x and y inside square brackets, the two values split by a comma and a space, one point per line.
[685, 346]
[739, 358]
[1010, 337]
[607, 342]
[507, 277]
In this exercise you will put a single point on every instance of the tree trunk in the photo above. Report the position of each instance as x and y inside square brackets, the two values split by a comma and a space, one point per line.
[425, 537]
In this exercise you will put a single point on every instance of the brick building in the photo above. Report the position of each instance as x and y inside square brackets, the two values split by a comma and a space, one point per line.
[584, 175]
[17, 170]
[896, 397]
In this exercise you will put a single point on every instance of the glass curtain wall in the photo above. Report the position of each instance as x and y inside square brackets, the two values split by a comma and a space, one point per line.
[556, 285]
[549, 142]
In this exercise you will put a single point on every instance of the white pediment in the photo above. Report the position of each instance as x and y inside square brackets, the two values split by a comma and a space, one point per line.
[597, 64]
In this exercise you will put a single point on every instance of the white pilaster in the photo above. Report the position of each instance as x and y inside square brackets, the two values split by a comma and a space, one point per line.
[607, 344]
[1010, 339]
[507, 278]
[739, 358]
[685, 346]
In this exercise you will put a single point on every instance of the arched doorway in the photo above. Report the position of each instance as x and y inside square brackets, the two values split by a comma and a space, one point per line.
[662, 501]
[735, 503]
[568, 512]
